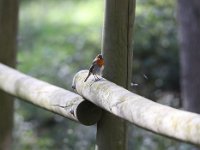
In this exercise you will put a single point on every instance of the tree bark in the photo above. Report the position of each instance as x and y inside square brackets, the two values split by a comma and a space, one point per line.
[117, 52]
[189, 37]
[8, 33]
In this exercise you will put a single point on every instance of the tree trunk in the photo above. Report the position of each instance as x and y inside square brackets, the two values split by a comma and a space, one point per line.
[189, 36]
[8, 31]
[117, 52]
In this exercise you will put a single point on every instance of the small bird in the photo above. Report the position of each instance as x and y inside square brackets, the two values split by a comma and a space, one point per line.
[96, 68]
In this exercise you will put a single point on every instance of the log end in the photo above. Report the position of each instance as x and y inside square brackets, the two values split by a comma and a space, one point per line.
[88, 113]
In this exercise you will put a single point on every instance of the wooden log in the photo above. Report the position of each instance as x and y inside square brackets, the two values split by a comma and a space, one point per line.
[49, 97]
[161, 119]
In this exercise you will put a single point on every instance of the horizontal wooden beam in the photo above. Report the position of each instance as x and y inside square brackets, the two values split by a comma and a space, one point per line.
[136, 109]
[47, 96]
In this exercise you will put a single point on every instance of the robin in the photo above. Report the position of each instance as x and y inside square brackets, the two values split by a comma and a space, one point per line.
[96, 68]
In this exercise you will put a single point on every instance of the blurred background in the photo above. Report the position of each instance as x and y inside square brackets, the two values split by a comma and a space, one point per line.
[56, 39]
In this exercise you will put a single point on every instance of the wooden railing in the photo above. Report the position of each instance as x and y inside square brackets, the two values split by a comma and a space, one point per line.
[161, 119]
[47, 96]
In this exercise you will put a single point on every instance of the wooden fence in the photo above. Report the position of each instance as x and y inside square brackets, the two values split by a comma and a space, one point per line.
[101, 95]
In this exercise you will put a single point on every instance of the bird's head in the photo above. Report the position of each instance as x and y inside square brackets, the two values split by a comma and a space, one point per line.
[99, 56]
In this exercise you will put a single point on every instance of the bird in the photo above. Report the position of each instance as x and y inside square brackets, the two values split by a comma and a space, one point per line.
[96, 68]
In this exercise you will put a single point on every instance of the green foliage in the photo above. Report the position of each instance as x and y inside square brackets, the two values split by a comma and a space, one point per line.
[155, 48]
[58, 38]
[53, 37]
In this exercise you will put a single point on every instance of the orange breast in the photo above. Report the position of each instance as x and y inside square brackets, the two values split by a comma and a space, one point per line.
[100, 62]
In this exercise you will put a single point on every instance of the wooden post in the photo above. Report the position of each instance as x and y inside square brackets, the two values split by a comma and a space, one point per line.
[8, 32]
[117, 52]
[189, 40]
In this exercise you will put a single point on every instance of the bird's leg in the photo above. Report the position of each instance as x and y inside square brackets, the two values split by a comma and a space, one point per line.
[94, 77]
[97, 78]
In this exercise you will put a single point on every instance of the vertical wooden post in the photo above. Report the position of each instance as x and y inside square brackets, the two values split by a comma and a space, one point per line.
[117, 52]
[189, 38]
[8, 31]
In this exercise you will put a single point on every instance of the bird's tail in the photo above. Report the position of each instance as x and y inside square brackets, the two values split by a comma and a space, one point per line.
[87, 76]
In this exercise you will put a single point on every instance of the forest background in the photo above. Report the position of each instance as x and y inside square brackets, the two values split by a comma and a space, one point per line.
[58, 38]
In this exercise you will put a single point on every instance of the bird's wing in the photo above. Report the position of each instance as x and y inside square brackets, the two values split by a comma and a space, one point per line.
[94, 61]
[91, 67]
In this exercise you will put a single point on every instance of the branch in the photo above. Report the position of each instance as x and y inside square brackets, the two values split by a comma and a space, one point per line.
[47, 96]
[136, 109]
